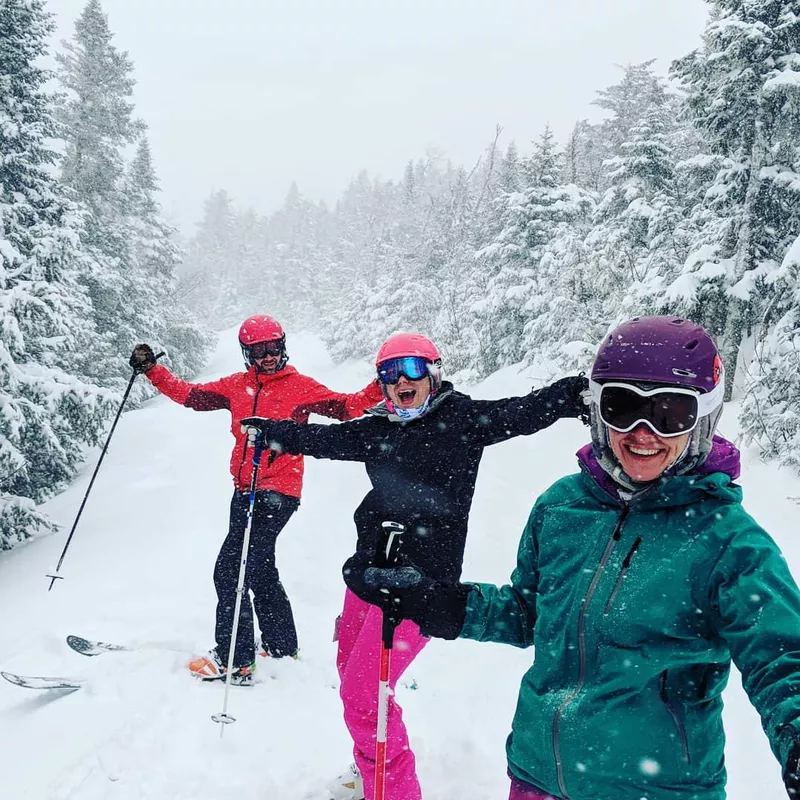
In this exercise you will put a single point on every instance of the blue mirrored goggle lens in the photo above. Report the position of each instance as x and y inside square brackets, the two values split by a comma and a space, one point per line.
[412, 367]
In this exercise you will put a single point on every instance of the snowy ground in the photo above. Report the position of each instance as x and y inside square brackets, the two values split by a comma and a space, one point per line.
[139, 571]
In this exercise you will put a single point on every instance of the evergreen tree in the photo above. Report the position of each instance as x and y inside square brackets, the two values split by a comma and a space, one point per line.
[770, 413]
[152, 258]
[632, 245]
[744, 94]
[48, 410]
[208, 277]
[97, 125]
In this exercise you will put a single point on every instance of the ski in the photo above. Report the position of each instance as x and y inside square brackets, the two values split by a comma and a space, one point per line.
[88, 647]
[39, 682]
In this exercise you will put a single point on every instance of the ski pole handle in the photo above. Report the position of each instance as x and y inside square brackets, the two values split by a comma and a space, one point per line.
[386, 556]
[389, 544]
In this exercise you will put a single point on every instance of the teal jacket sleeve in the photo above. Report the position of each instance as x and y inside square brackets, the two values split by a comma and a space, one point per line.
[756, 605]
[507, 614]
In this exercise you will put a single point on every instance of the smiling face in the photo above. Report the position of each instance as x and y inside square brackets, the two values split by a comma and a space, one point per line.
[409, 394]
[267, 364]
[643, 454]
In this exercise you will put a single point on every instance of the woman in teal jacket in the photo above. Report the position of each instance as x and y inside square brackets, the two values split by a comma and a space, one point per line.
[638, 580]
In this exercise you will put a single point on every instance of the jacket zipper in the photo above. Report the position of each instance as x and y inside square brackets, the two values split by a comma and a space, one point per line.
[622, 573]
[252, 414]
[609, 548]
[662, 693]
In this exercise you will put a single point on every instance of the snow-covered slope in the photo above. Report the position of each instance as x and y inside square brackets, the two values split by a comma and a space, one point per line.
[139, 571]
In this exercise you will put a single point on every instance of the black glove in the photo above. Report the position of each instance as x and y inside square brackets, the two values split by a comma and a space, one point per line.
[264, 426]
[791, 772]
[142, 358]
[404, 592]
[572, 395]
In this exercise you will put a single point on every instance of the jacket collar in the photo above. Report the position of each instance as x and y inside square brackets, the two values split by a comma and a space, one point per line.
[445, 391]
[263, 378]
[715, 476]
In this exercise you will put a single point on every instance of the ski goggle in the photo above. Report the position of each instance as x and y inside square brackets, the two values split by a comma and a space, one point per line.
[263, 349]
[413, 367]
[667, 410]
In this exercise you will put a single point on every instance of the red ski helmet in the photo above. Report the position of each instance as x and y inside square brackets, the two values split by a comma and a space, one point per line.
[415, 345]
[259, 330]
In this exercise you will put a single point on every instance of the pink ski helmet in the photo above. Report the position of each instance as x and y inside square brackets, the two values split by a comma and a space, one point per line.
[407, 344]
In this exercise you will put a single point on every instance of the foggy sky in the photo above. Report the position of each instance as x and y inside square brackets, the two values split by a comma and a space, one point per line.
[248, 95]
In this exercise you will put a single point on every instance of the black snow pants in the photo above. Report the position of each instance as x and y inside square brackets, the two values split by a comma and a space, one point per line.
[278, 634]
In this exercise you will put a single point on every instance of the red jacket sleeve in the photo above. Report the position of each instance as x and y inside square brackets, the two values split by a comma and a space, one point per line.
[198, 396]
[319, 399]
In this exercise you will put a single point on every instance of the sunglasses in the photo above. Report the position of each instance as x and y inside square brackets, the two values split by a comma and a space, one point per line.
[264, 349]
[413, 367]
[667, 410]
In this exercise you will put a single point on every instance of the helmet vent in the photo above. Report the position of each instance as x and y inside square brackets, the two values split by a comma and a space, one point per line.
[691, 345]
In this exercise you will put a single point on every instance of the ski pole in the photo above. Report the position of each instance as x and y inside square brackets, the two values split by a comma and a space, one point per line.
[223, 717]
[55, 576]
[386, 556]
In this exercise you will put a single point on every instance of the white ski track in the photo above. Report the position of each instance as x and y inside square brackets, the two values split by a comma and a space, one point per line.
[40, 682]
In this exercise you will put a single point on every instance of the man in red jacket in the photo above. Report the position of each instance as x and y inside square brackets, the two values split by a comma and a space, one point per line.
[269, 388]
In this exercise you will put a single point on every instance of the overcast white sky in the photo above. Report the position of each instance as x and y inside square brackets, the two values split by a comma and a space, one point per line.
[248, 95]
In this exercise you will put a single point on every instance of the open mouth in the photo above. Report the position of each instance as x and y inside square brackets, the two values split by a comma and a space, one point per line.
[406, 397]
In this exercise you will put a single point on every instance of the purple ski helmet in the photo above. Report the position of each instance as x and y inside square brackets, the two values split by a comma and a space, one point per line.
[661, 350]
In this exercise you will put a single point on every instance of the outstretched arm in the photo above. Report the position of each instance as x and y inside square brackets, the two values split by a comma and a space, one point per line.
[451, 610]
[314, 398]
[349, 441]
[507, 614]
[495, 421]
[755, 605]
[197, 396]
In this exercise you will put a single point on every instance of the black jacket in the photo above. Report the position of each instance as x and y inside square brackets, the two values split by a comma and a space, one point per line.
[423, 472]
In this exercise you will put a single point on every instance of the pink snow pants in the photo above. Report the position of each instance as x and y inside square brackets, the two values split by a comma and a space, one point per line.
[521, 791]
[358, 661]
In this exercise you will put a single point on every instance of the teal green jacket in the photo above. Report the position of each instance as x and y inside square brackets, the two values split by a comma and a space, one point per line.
[636, 612]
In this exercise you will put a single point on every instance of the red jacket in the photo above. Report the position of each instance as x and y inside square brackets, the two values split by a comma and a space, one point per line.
[285, 394]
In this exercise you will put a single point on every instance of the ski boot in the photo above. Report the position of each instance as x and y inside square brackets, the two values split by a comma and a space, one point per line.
[212, 668]
[264, 653]
[348, 786]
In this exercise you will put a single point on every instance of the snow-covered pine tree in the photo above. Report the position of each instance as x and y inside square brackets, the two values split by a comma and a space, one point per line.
[207, 278]
[770, 411]
[510, 262]
[743, 89]
[583, 156]
[98, 125]
[632, 245]
[48, 409]
[153, 257]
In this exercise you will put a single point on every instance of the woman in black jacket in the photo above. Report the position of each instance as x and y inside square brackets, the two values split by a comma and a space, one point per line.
[421, 448]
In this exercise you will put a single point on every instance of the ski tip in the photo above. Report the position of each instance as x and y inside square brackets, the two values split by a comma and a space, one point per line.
[39, 682]
[80, 644]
